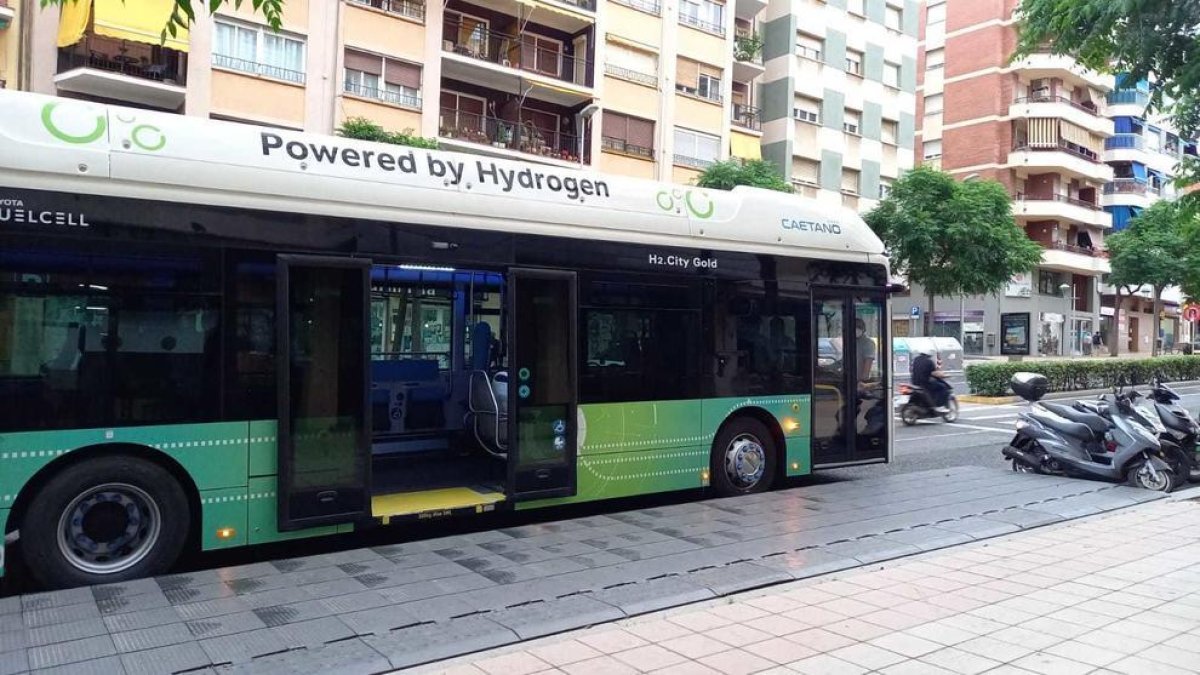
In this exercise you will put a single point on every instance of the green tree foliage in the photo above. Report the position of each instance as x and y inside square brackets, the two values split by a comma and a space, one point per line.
[364, 129]
[952, 238]
[184, 13]
[1150, 252]
[1156, 39]
[731, 172]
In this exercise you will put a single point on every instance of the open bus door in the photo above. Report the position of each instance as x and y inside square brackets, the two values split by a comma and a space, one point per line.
[543, 394]
[851, 403]
[322, 371]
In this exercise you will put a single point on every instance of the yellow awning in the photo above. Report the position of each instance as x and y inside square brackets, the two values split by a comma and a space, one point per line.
[745, 147]
[630, 43]
[140, 21]
[73, 21]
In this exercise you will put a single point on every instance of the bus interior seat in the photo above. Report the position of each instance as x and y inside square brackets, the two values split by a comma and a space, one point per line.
[489, 416]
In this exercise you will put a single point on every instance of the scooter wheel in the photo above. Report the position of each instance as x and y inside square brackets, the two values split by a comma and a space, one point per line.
[1139, 475]
[952, 416]
[909, 416]
[1021, 467]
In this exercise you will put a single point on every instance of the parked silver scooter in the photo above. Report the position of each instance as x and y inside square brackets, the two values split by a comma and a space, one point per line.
[1058, 439]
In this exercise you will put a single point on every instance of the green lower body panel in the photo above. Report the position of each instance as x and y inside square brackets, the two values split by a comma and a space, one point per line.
[3, 528]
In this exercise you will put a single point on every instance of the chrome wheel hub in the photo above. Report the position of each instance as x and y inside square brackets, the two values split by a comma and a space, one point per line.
[109, 528]
[745, 461]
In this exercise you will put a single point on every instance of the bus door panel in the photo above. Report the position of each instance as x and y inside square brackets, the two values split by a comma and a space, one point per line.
[873, 418]
[542, 381]
[831, 379]
[322, 310]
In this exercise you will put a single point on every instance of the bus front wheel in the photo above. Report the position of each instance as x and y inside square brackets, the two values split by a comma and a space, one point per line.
[743, 458]
[103, 520]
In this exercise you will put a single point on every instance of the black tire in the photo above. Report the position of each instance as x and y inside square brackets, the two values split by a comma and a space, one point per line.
[134, 486]
[952, 416]
[1136, 478]
[909, 415]
[750, 430]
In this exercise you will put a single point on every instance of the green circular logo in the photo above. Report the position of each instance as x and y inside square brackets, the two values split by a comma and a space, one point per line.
[668, 204]
[147, 128]
[523, 373]
[90, 137]
[707, 213]
[523, 391]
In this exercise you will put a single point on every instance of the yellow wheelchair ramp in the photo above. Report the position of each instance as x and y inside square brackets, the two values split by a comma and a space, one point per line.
[442, 501]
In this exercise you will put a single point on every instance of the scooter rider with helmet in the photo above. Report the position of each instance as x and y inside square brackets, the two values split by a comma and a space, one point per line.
[927, 374]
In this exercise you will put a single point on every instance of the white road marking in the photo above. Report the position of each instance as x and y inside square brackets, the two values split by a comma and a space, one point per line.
[1004, 432]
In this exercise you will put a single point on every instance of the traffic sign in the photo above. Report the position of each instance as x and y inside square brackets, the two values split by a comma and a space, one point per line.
[915, 312]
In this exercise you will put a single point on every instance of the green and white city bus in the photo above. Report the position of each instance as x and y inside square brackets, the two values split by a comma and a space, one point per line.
[216, 335]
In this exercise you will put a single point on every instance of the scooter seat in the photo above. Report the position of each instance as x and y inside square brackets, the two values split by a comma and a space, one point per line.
[1075, 429]
[1096, 423]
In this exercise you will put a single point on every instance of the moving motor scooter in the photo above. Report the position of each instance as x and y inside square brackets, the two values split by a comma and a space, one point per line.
[915, 404]
[1058, 439]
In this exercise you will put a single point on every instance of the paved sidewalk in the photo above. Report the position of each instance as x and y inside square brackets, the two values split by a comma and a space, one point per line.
[1118, 593]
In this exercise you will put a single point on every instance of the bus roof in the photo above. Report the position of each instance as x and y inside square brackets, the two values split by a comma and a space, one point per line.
[77, 146]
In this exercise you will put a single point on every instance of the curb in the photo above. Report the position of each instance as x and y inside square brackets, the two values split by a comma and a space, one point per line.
[1052, 396]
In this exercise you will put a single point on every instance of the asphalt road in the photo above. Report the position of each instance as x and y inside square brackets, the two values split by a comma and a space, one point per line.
[974, 440]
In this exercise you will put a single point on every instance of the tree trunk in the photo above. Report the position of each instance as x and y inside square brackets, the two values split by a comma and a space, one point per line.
[1156, 349]
[1114, 347]
[929, 316]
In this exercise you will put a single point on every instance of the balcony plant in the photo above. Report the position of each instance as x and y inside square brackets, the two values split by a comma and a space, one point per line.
[747, 47]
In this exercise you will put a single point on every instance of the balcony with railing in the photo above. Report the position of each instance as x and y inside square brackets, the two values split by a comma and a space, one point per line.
[747, 117]
[1044, 64]
[1062, 157]
[1130, 186]
[624, 147]
[1060, 207]
[648, 79]
[1125, 142]
[1081, 113]
[647, 6]
[529, 53]
[409, 9]
[701, 24]
[747, 56]
[123, 70]
[524, 137]
[402, 96]
[1060, 255]
[1128, 97]
[693, 162]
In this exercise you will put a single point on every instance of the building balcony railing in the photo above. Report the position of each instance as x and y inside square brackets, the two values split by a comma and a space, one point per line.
[412, 9]
[1062, 146]
[589, 5]
[524, 137]
[1089, 109]
[693, 162]
[747, 116]
[255, 68]
[1023, 197]
[708, 94]
[1130, 186]
[648, 6]
[517, 51]
[1089, 251]
[134, 59]
[1125, 142]
[624, 147]
[648, 79]
[404, 98]
[1128, 97]
[702, 24]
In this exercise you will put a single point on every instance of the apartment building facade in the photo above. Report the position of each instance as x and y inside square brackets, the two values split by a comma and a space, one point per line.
[10, 44]
[1039, 126]
[649, 88]
[1144, 151]
[839, 95]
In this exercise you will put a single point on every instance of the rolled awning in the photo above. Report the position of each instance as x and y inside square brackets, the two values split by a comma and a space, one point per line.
[745, 147]
[534, 4]
[134, 20]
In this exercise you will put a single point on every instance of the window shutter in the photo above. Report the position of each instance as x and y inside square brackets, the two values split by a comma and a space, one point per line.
[403, 73]
[361, 61]
[640, 132]
[687, 73]
[614, 125]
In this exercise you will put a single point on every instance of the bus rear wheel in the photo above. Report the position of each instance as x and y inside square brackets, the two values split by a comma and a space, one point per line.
[104, 520]
[743, 458]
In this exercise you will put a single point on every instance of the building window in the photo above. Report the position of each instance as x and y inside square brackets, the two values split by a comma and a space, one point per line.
[892, 18]
[933, 104]
[807, 110]
[855, 7]
[936, 14]
[631, 64]
[888, 131]
[627, 135]
[703, 14]
[891, 74]
[406, 8]
[257, 50]
[850, 181]
[698, 79]
[387, 80]
[806, 171]
[932, 149]
[852, 122]
[885, 187]
[696, 149]
[809, 47]
[935, 59]
[854, 62]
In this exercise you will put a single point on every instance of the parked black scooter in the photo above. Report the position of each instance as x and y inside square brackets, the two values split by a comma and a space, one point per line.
[1178, 425]
[1059, 439]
